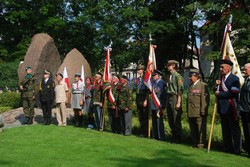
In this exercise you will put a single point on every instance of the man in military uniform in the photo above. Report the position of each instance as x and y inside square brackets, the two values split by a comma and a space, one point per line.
[113, 111]
[158, 95]
[197, 108]
[27, 86]
[47, 95]
[141, 101]
[174, 101]
[227, 94]
[98, 101]
[124, 104]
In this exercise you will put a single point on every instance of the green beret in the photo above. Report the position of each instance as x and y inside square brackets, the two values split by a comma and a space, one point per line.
[173, 62]
[27, 68]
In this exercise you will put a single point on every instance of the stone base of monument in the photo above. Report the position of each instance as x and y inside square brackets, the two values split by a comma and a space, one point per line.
[15, 117]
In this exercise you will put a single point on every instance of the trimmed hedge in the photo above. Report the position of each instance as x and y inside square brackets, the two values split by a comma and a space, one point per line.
[11, 100]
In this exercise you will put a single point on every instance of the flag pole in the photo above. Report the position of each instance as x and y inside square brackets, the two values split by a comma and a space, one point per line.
[105, 94]
[219, 77]
[148, 99]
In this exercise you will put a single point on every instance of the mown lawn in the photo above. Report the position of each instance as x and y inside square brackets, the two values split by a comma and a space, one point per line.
[49, 146]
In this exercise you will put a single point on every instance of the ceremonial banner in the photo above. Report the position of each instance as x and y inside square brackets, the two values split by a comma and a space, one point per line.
[107, 76]
[228, 53]
[82, 76]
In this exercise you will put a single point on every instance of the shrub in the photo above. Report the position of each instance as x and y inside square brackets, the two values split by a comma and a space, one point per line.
[11, 100]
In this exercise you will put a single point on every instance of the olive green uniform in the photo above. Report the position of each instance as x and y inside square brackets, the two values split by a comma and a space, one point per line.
[174, 88]
[114, 115]
[197, 108]
[124, 101]
[28, 95]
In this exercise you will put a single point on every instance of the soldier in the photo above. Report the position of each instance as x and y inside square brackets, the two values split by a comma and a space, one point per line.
[124, 104]
[114, 115]
[227, 95]
[28, 88]
[47, 95]
[62, 96]
[157, 109]
[174, 94]
[197, 108]
[77, 100]
[98, 101]
[141, 101]
[244, 107]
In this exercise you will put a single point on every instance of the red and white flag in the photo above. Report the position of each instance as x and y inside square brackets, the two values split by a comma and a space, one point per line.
[65, 77]
[150, 69]
[107, 76]
[228, 53]
[82, 76]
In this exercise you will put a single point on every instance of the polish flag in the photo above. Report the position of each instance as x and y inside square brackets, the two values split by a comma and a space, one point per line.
[65, 77]
[107, 76]
[82, 76]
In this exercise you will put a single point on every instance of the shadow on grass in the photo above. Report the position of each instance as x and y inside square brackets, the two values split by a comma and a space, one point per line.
[162, 158]
[3, 163]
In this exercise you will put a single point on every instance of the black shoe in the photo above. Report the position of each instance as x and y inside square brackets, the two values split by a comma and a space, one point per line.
[30, 121]
[80, 121]
[48, 121]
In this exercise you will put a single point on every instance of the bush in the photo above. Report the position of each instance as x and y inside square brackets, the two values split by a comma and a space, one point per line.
[11, 100]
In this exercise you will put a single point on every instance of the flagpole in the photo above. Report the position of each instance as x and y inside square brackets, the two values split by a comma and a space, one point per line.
[148, 98]
[105, 93]
[219, 77]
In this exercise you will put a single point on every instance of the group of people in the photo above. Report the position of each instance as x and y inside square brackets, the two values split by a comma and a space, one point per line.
[117, 96]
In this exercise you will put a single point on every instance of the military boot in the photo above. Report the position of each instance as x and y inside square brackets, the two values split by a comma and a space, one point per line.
[30, 121]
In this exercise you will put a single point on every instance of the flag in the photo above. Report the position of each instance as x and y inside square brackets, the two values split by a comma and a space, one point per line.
[107, 76]
[65, 77]
[82, 76]
[150, 69]
[228, 53]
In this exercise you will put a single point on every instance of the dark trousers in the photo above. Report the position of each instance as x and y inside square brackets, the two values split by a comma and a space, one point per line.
[126, 122]
[114, 120]
[28, 106]
[231, 133]
[143, 118]
[198, 129]
[158, 126]
[245, 117]
[98, 116]
[46, 108]
[174, 118]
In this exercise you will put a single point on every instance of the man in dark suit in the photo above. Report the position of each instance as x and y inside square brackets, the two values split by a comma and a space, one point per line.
[244, 107]
[227, 93]
[158, 104]
[47, 95]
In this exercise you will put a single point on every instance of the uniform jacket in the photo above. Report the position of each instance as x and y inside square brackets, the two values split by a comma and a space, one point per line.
[160, 91]
[29, 86]
[124, 97]
[175, 84]
[233, 86]
[47, 92]
[141, 90]
[115, 94]
[197, 99]
[244, 104]
[98, 92]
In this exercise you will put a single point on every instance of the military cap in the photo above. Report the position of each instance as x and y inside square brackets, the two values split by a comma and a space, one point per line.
[46, 72]
[99, 73]
[77, 74]
[194, 71]
[226, 61]
[141, 67]
[157, 72]
[173, 62]
[27, 68]
[59, 74]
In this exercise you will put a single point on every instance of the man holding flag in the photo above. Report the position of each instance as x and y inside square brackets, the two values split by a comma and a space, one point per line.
[158, 104]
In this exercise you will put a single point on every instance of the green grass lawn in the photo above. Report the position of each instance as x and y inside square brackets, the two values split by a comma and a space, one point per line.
[49, 146]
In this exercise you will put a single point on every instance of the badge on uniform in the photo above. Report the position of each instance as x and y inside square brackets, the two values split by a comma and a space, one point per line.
[196, 91]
